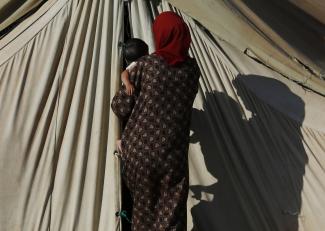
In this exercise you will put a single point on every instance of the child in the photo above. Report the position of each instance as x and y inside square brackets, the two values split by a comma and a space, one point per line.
[133, 49]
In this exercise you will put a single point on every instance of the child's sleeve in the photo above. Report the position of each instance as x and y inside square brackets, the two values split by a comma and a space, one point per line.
[131, 66]
[122, 104]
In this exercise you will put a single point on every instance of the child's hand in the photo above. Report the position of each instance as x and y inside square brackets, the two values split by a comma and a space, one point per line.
[129, 88]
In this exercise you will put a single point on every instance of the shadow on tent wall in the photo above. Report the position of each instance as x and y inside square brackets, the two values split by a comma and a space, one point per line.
[259, 162]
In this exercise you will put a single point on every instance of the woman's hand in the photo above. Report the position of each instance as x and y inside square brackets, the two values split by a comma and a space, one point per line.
[119, 146]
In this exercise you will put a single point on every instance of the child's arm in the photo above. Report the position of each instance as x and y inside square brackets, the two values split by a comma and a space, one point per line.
[129, 88]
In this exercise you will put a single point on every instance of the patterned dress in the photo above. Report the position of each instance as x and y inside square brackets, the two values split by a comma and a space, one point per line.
[155, 142]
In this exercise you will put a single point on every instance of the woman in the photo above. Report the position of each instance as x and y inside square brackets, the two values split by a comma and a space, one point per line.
[156, 137]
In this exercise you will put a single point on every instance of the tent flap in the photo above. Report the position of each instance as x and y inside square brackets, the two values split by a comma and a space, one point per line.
[57, 76]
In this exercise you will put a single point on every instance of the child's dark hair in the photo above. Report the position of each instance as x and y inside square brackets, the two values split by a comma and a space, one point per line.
[133, 49]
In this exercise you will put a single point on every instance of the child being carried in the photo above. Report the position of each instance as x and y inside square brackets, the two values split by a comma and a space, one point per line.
[133, 49]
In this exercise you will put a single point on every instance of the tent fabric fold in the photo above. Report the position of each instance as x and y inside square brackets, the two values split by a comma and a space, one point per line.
[13, 10]
[277, 33]
[314, 8]
[57, 77]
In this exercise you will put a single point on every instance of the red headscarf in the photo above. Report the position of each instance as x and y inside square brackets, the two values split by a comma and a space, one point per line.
[172, 37]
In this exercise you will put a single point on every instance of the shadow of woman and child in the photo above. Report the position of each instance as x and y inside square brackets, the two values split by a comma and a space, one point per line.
[259, 162]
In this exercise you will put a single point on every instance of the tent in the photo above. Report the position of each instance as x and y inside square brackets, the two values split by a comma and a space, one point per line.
[257, 150]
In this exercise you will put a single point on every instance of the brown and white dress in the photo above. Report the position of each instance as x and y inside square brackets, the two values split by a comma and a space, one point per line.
[155, 142]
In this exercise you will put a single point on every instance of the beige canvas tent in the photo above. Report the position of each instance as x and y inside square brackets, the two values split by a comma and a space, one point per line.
[257, 152]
